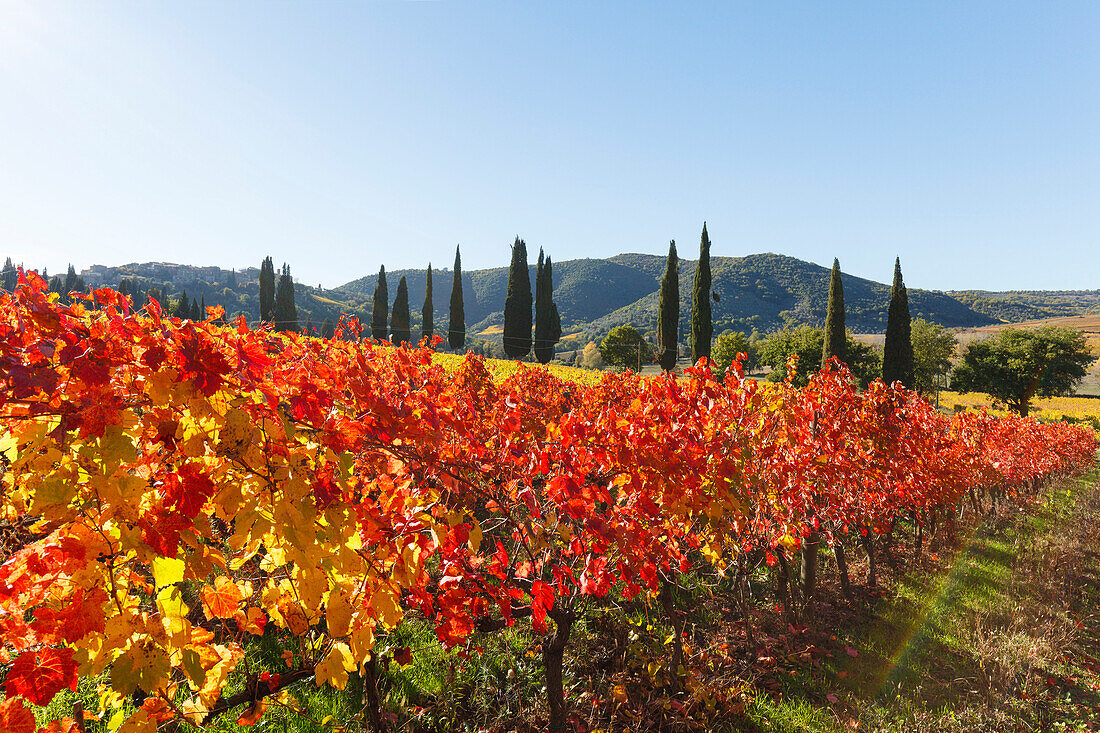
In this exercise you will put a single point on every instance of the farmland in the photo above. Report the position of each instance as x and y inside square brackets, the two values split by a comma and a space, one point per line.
[209, 523]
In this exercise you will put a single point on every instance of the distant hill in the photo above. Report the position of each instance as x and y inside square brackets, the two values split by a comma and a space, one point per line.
[762, 291]
[238, 291]
[765, 292]
[1016, 306]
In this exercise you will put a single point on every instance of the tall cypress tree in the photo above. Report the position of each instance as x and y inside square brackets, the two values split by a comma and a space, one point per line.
[897, 355]
[71, 280]
[547, 321]
[554, 316]
[381, 306]
[286, 311]
[668, 311]
[702, 328]
[456, 330]
[267, 289]
[427, 314]
[202, 307]
[182, 307]
[11, 276]
[195, 311]
[328, 329]
[517, 304]
[399, 321]
[835, 340]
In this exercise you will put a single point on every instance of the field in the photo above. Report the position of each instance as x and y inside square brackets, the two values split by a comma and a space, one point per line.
[1043, 408]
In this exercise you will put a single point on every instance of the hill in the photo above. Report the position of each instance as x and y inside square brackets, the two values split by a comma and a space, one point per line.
[1016, 306]
[765, 292]
[762, 291]
[238, 291]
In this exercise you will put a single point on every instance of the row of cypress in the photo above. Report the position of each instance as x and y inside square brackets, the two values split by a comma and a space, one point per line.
[668, 307]
[399, 326]
[897, 360]
[518, 341]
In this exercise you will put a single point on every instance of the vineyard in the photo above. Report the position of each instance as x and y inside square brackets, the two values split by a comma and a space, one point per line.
[202, 518]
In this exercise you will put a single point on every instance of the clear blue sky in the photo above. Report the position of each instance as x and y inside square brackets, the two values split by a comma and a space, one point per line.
[964, 137]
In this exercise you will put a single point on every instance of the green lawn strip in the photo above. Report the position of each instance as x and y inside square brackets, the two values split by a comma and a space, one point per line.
[915, 665]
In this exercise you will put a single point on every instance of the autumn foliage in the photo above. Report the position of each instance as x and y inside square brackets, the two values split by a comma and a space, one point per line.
[187, 487]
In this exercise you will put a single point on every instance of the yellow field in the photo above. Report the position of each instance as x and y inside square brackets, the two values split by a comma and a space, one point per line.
[494, 330]
[1045, 408]
[501, 369]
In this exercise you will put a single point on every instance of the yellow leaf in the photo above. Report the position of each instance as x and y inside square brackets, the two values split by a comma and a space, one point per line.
[338, 613]
[295, 618]
[167, 570]
[386, 609]
[362, 641]
[475, 536]
[334, 668]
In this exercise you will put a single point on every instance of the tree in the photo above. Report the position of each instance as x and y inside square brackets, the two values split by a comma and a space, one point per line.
[381, 307]
[195, 315]
[1018, 364]
[182, 308]
[726, 348]
[835, 339]
[10, 278]
[399, 320]
[590, 357]
[267, 289]
[456, 330]
[933, 348]
[625, 348]
[547, 321]
[807, 342]
[427, 314]
[71, 281]
[286, 311]
[668, 311]
[328, 329]
[517, 304]
[202, 307]
[897, 354]
[701, 326]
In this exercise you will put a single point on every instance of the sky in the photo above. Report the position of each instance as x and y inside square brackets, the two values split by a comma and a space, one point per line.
[337, 137]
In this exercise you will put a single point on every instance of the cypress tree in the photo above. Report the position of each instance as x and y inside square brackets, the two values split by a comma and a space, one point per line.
[427, 315]
[835, 341]
[668, 311]
[202, 307]
[328, 329]
[555, 317]
[195, 316]
[897, 355]
[399, 321]
[456, 330]
[267, 289]
[182, 308]
[702, 328]
[71, 280]
[11, 276]
[381, 306]
[547, 321]
[517, 304]
[286, 311]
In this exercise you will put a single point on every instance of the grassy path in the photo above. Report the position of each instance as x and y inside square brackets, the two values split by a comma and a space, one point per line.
[1004, 636]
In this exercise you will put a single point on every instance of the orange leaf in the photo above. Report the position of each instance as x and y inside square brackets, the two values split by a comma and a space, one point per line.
[15, 716]
[254, 712]
[222, 600]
